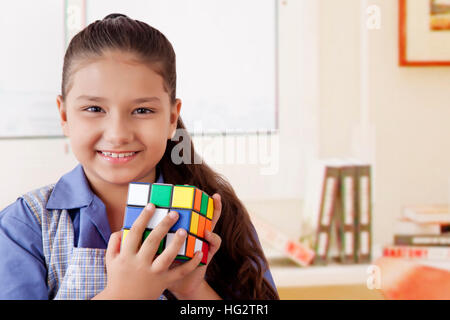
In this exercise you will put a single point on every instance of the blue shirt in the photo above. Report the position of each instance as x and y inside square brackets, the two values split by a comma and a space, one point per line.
[23, 270]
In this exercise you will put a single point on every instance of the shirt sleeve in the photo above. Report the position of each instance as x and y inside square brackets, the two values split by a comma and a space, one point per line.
[23, 272]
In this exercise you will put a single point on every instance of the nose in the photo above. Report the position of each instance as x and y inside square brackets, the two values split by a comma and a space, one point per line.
[118, 131]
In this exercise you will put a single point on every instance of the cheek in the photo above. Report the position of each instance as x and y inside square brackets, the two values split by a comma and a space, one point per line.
[155, 145]
[83, 136]
[152, 134]
[154, 141]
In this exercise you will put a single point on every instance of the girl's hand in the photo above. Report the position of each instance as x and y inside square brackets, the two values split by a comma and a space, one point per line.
[189, 287]
[132, 271]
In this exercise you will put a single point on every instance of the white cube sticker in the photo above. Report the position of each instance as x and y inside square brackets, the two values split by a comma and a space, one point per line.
[170, 238]
[138, 194]
[198, 245]
[157, 217]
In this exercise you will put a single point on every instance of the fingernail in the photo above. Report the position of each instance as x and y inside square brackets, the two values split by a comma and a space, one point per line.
[173, 214]
[149, 206]
[181, 232]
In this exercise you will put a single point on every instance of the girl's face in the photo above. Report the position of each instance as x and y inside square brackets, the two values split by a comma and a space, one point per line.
[118, 107]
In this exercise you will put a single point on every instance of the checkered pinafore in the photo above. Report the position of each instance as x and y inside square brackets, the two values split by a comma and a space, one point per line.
[72, 273]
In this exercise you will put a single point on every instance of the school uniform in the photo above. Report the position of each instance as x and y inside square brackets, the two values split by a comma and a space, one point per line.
[53, 242]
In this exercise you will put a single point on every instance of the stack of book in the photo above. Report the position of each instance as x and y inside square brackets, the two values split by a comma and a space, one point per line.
[336, 220]
[422, 233]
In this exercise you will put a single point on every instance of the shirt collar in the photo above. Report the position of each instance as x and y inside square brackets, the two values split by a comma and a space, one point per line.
[73, 190]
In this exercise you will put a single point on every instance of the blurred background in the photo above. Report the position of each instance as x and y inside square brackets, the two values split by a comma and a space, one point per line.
[269, 89]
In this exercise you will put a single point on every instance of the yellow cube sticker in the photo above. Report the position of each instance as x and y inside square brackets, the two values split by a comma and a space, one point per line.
[209, 212]
[183, 197]
[124, 234]
[194, 223]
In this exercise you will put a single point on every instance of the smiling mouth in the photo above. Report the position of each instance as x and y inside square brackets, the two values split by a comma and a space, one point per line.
[118, 158]
[118, 155]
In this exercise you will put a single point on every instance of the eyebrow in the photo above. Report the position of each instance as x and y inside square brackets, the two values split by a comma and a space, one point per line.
[100, 99]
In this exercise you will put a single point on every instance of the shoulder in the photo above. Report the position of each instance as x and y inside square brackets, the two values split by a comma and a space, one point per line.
[28, 207]
[37, 199]
[22, 266]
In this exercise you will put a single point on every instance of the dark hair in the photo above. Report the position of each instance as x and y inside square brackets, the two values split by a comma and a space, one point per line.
[237, 269]
[118, 32]
[114, 15]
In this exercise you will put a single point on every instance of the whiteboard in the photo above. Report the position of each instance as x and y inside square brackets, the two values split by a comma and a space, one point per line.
[226, 61]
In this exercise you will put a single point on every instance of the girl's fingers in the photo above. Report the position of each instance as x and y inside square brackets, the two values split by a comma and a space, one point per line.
[185, 268]
[151, 243]
[217, 209]
[134, 237]
[165, 259]
[113, 248]
[214, 244]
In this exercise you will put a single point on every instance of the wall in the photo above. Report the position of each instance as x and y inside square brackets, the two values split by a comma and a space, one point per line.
[407, 107]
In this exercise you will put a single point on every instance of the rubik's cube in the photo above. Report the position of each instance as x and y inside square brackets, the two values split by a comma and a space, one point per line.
[195, 212]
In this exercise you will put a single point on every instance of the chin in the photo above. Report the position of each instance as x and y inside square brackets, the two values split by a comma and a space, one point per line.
[117, 178]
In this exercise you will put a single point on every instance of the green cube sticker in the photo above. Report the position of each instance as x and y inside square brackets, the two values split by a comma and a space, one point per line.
[204, 206]
[160, 195]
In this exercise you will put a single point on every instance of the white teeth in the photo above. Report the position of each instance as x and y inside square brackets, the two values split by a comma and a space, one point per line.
[117, 155]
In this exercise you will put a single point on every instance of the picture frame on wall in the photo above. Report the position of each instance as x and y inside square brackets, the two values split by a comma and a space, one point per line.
[424, 32]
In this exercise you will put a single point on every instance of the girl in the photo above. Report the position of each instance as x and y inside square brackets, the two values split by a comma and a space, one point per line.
[119, 110]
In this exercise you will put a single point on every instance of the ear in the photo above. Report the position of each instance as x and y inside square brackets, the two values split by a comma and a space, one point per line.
[62, 114]
[174, 115]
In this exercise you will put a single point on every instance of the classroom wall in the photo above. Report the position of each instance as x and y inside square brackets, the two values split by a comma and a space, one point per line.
[407, 108]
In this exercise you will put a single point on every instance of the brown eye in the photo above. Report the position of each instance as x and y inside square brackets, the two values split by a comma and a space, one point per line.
[143, 111]
[93, 109]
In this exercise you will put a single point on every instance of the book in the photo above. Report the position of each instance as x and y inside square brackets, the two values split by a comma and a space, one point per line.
[292, 249]
[328, 205]
[422, 240]
[363, 218]
[356, 212]
[417, 252]
[335, 245]
[404, 226]
[439, 213]
[322, 185]
[346, 213]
